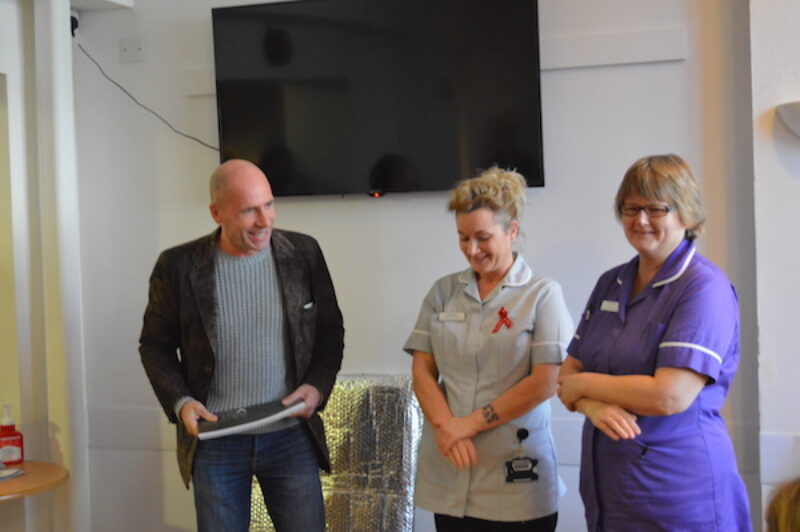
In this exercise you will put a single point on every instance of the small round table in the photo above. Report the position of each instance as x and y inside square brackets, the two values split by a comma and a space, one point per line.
[38, 477]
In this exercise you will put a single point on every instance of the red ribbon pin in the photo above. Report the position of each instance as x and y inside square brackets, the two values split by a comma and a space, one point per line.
[504, 320]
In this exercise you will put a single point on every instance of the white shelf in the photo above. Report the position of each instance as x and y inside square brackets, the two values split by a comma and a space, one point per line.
[605, 49]
[790, 114]
[100, 4]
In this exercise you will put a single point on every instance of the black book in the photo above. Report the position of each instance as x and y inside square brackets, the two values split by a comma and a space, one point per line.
[247, 418]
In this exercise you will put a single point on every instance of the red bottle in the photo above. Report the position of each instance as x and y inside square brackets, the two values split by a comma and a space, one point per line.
[11, 451]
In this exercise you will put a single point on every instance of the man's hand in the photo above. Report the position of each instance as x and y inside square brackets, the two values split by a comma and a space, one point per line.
[310, 396]
[193, 411]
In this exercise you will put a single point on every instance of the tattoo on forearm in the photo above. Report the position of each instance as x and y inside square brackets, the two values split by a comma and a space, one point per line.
[489, 414]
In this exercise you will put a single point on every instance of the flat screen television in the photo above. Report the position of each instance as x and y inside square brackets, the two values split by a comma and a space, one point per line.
[379, 96]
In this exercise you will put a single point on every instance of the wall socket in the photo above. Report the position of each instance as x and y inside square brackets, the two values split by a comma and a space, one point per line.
[131, 51]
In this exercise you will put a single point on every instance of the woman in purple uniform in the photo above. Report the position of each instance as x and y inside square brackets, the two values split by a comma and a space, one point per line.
[650, 366]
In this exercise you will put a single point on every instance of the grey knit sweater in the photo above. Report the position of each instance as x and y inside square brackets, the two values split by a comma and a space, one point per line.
[251, 363]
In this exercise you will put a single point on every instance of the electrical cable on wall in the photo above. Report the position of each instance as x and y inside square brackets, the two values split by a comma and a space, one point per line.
[143, 106]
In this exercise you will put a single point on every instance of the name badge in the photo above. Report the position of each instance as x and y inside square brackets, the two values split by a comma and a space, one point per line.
[609, 306]
[452, 316]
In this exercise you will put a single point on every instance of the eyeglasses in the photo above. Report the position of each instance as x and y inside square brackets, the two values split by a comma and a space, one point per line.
[652, 211]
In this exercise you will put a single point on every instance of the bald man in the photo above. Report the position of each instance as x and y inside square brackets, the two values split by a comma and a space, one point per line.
[244, 316]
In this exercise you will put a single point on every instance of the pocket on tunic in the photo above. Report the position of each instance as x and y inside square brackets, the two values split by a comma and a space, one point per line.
[670, 482]
[488, 483]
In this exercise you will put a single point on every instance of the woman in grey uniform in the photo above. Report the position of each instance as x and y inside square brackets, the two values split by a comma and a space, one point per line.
[486, 353]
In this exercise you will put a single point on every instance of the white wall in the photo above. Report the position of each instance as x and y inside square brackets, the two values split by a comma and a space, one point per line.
[623, 79]
[11, 155]
[36, 63]
[776, 154]
[22, 353]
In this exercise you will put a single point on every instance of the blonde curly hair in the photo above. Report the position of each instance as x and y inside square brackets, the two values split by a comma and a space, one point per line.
[499, 190]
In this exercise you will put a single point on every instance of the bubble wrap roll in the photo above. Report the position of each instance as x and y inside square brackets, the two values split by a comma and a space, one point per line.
[373, 424]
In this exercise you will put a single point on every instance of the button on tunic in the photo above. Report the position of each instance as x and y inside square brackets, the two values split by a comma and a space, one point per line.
[680, 473]
[477, 365]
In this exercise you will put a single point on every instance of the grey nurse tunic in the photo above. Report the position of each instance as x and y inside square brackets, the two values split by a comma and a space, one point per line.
[480, 355]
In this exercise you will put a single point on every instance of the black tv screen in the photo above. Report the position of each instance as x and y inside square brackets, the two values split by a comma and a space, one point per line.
[379, 96]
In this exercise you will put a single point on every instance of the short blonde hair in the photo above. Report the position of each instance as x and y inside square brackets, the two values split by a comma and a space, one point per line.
[783, 512]
[666, 178]
[499, 190]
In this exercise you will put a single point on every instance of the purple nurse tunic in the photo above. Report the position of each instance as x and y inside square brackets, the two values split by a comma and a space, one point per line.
[680, 473]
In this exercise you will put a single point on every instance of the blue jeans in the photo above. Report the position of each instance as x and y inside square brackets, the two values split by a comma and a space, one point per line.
[286, 466]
